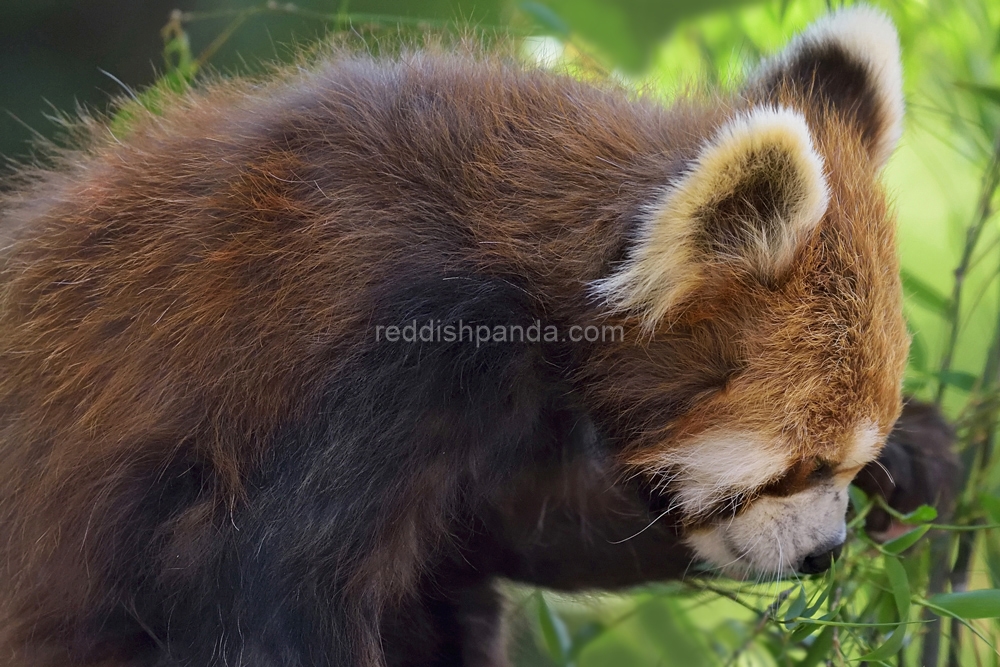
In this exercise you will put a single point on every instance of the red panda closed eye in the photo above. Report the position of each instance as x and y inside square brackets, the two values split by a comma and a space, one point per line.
[237, 429]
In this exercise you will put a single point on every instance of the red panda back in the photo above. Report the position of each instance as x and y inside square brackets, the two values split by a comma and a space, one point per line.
[190, 286]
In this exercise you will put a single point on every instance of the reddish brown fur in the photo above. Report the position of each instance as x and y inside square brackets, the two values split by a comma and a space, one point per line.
[836, 315]
[192, 285]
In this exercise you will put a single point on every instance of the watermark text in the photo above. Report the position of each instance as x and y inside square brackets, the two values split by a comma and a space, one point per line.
[438, 331]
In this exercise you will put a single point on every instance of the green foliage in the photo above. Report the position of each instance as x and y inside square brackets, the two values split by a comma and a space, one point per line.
[627, 32]
[927, 596]
[181, 67]
[967, 605]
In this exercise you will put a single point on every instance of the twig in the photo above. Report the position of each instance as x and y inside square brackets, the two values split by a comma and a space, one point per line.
[981, 452]
[762, 622]
[942, 571]
[991, 179]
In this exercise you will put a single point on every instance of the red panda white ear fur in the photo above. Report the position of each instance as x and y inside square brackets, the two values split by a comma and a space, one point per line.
[849, 59]
[755, 192]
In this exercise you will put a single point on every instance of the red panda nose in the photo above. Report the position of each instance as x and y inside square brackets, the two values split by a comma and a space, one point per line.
[819, 561]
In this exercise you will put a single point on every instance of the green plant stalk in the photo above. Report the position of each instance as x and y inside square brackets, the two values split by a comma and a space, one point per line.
[982, 454]
[984, 209]
[943, 571]
[760, 626]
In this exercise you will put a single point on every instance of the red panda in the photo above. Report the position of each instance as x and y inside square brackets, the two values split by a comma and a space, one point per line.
[220, 449]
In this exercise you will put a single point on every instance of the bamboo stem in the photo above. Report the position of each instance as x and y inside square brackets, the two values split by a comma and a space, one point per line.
[984, 209]
[943, 570]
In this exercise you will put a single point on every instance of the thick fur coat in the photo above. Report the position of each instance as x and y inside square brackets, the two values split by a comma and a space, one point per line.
[213, 457]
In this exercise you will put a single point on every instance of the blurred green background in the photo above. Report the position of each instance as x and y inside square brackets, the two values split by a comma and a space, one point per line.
[882, 603]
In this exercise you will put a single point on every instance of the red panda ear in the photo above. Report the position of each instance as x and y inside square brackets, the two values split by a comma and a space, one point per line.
[848, 61]
[755, 192]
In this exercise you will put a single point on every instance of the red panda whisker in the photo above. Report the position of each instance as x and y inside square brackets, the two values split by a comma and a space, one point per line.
[644, 529]
[885, 470]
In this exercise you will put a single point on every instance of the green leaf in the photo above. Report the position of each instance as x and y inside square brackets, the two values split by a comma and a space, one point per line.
[819, 650]
[177, 51]
[627, 31]
[992, 544]
[970, 604]
[923, 514]
[900, 586]
[905, 541]
[889, 648]
[587, 633]
[918, 353]
[859, 499]
[783, 10]
[150, 101]
[913, 385]
[802, 631]
[811, 610]
[554, 632]
[670, 631]
[991, 504]
[797, 606]
[990, 93]
[546, 18]
[959, 379]
[924, 294]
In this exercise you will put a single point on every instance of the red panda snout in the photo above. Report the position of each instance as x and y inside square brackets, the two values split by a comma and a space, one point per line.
[781, 515]
[777, 536]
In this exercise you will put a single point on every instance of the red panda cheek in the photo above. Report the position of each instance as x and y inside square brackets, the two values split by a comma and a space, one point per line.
[846, 476]
[714, 467]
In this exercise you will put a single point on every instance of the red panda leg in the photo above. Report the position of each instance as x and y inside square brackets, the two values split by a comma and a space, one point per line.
[355, 502]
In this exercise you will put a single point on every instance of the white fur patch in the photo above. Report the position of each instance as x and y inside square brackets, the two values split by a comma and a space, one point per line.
[665, 263]
[864, 447]
[870, 38]
[719, 466]
[775, 535]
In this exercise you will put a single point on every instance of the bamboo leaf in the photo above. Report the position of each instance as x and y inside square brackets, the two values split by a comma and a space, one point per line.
[586, 634]
[970, 604]
[924, 294]
[554, 632]
[992, 544]
[546, 17]
[889, 648]
[991, 504]
[905, 541]
[922, 514]
[811, 610]
[797, 606]
[990, 93]
[900, 586]
[859, 499]
[959, 379]
[802, 631]
[912, 385]
[918, 352]
[819, 649]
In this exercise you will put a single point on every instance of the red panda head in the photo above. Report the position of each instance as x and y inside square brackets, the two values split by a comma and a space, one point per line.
[772, 258]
